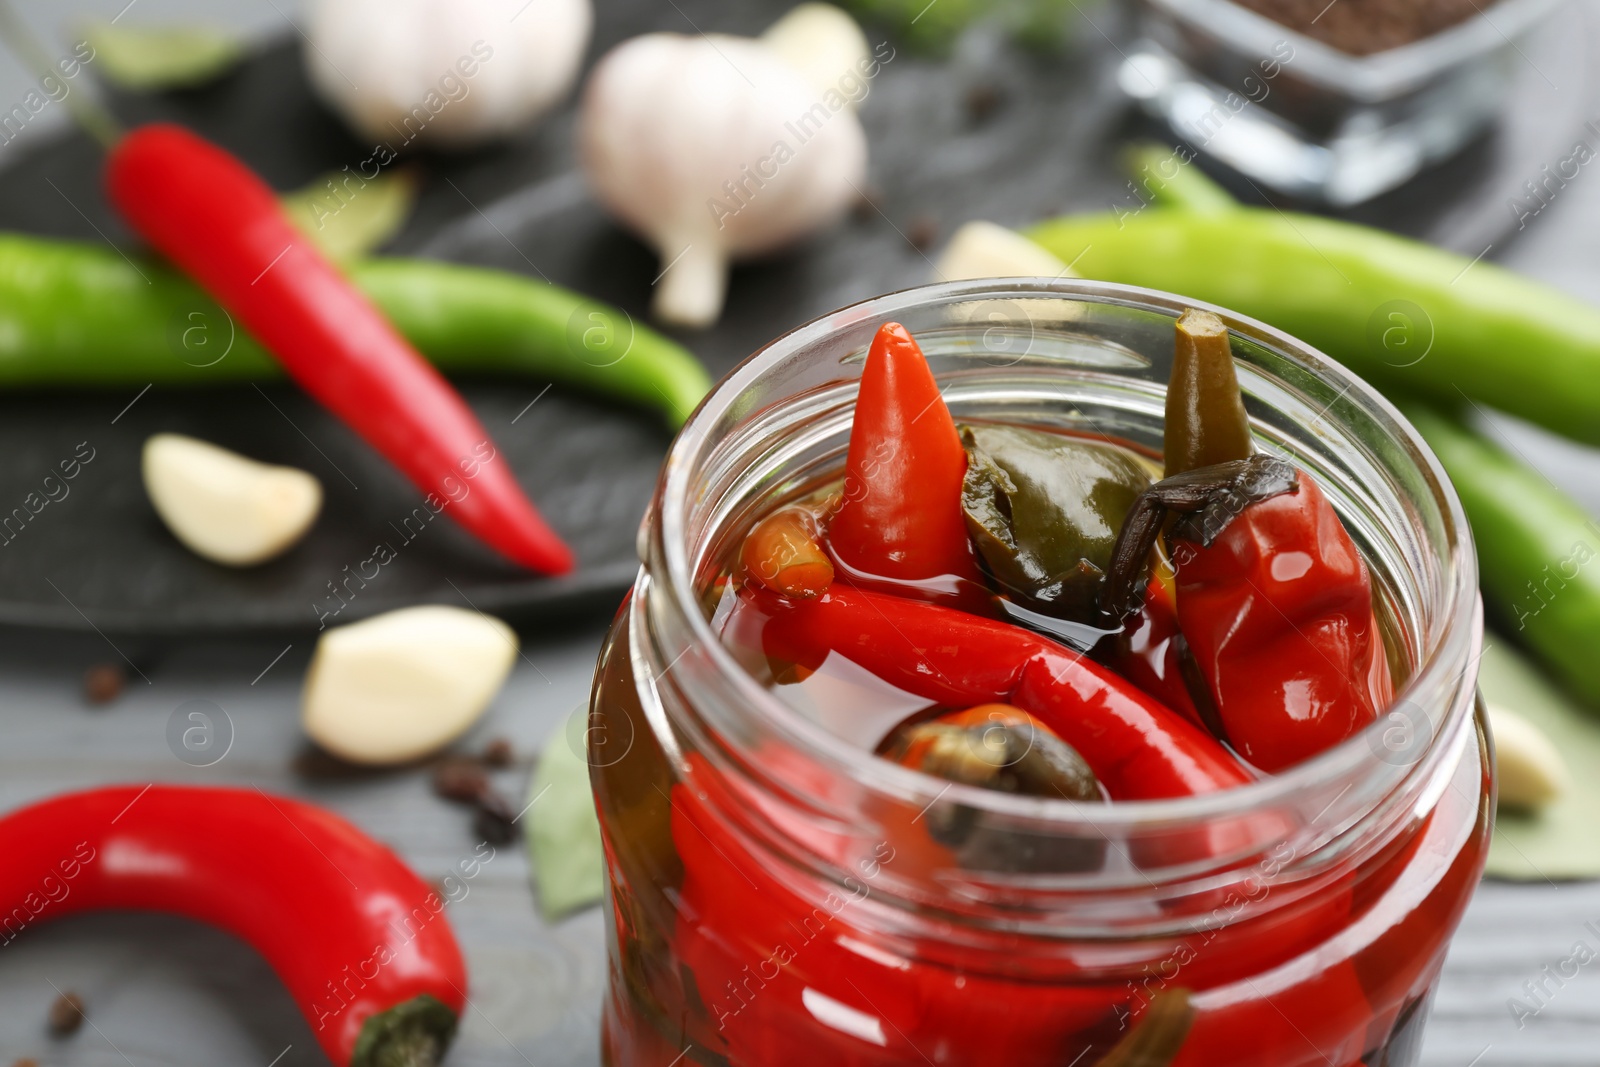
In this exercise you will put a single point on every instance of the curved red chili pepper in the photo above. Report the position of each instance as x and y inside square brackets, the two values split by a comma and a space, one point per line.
[359, 940]
[208, 213]
[1138, 749]
[1278, 614]
[901, 517]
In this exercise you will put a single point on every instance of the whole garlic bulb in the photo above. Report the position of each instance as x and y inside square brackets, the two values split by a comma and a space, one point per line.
[444, 73]
[714, 148]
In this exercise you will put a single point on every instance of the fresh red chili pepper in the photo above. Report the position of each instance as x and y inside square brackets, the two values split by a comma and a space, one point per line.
[1138, 749]
[208, 213]
[359, 940]
[1278, 614]
[900, 524]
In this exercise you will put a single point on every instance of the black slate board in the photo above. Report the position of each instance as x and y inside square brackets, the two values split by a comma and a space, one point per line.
[99, 558]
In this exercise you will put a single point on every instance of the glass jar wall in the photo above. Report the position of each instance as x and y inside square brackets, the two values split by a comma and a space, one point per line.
[779, 894]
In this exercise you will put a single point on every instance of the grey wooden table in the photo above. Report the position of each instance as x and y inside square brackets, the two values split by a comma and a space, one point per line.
[163, 991]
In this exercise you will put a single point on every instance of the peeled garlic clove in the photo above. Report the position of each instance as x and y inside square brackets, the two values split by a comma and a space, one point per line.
[824, 45]
[226, 507]
[1529, 767]
[985, 250]
[395, 687]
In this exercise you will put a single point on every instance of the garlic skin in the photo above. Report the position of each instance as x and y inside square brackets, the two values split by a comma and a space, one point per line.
[715, 148]
[223, 506]
[450, 74]
[395, 687]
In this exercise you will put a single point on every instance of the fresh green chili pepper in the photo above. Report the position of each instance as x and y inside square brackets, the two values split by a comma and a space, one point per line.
[1540, 550]
[1398, 312]
[82, 315]
[1169, 176]
[1044, 510]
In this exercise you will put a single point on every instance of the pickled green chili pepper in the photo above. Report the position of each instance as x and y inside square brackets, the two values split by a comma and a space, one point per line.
[1206, 422]
[1158, 1036]
[81, 315]
[1167, 176]
[1044, 510]
[1538, 548]
[1398, 312]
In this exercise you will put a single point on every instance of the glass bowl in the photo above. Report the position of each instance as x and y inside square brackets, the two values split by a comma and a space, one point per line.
[1309, 120]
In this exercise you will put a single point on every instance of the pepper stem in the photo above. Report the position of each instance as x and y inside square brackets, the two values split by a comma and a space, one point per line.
[1206, 500]
[1158, 1036]
[414, 1033]
[1172, 179]
[91, 116]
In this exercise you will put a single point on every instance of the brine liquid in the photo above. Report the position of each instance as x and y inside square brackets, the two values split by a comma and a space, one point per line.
[862, 709]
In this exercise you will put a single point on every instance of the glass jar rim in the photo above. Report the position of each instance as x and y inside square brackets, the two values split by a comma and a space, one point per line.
[1448, 643]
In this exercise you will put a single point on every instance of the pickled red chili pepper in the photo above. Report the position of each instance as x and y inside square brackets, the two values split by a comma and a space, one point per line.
[1138, 749]
[1273, 599]
[1151, 652]
[900, 523]
[782, 554]
[1278, 614]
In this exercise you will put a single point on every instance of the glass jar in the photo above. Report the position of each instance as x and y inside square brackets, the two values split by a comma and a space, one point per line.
[781, 896]
[1309, 120]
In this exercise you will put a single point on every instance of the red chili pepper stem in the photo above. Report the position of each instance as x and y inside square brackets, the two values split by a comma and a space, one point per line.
[90, 114]
[1208, 499]
[413, 1034]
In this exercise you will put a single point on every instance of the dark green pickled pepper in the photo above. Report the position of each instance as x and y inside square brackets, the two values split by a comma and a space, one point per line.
[1044, 510]
[995, 746]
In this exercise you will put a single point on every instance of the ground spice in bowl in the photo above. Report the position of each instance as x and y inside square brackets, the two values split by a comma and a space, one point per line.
[1362, 27]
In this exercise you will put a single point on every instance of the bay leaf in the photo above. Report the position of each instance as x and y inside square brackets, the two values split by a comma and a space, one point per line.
[347, 216]
[1562, 842]
[150, 58]
[562, 829]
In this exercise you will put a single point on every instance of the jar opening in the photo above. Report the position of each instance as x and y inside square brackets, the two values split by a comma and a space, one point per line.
[1070, 352]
